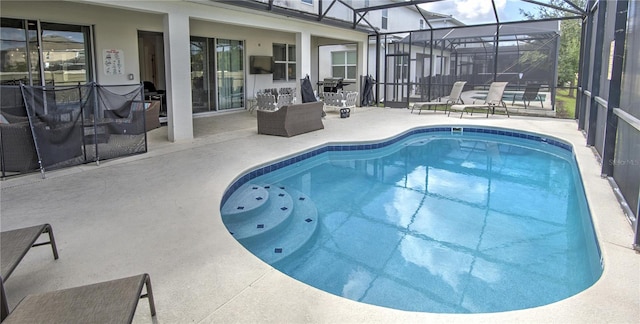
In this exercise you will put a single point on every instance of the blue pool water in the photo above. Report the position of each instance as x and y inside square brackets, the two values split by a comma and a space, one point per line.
[441, 219]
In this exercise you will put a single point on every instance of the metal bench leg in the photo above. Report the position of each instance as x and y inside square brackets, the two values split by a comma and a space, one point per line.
[47, 229]
[149, 295]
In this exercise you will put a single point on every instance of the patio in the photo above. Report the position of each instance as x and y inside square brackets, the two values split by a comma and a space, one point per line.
[159, 213]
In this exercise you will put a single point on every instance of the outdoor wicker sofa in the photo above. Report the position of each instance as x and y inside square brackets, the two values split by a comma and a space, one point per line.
[57, 142]
[291, 120]
[18, 150]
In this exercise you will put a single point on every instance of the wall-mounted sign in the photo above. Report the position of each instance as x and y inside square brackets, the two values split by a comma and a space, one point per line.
[113, 61]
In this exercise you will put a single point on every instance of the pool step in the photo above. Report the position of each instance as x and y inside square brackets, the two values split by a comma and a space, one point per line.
[253, 212]
[246, 201]
[291, 238]
[271, 221]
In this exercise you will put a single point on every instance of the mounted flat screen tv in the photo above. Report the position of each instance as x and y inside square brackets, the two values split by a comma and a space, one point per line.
[260, 64]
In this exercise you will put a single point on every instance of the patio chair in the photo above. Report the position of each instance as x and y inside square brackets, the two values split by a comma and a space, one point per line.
[16, 243]
[492, 100]
[266, 101]
[530, 94]
[112, 301]
[284, 100]
[350, 100]
[340, 100]
[451, 99]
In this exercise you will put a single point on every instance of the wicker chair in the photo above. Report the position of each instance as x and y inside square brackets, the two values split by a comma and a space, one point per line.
[152, 115]
[128, 119]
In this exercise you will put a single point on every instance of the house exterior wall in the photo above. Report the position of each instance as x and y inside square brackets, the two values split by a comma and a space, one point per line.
[114, 29]
[116, 25]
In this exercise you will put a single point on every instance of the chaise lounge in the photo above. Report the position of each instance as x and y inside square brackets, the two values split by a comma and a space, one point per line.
[493, 100]
[453, 98]
[112, 301]
[531, 93]
[16, 243]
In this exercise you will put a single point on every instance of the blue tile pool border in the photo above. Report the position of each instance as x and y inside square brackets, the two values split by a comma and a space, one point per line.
[383, 143]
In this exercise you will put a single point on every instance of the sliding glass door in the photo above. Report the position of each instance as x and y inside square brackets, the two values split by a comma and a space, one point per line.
[230, 73]
[217, 74]
[202, 93]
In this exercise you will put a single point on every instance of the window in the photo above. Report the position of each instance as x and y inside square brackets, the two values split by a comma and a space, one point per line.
[421, 24]
[41, 53]
[307, 1]
[284, 68]
[343, 64]
[385, 18]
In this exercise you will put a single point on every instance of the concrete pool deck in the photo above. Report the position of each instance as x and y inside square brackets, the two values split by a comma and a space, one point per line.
[159, 213]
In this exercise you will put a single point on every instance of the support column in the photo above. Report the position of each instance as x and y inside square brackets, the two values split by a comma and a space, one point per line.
[177, 63]
[596, 72]
[363, 62]
[615, 84]
[303, 59]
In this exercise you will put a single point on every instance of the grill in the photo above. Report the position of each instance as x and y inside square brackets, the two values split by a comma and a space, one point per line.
[332, 84]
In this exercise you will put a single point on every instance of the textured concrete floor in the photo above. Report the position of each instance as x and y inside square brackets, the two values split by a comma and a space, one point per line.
[159, 213]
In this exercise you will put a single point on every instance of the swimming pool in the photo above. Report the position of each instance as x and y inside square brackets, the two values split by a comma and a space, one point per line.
[438, 219]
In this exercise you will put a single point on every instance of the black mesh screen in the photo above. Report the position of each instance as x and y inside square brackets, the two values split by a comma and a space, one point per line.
[45, 128]
[627, 163]
[118, 122]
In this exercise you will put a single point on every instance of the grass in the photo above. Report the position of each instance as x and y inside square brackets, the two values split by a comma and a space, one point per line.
[565, 105]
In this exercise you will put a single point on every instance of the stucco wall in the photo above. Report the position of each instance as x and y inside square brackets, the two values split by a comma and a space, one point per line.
[114, 29]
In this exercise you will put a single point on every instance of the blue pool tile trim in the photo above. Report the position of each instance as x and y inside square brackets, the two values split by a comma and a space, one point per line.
[370, 146]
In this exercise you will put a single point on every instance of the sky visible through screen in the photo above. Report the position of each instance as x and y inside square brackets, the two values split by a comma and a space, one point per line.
[472, 12]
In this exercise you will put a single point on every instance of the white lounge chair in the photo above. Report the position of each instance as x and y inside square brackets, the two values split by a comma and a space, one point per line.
[266, 101]
[284, 100]
[451, 99]
[493, 100]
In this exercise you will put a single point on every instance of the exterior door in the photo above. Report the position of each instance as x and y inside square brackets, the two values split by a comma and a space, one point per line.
[217, 74]
[230, 73]
[396, 90]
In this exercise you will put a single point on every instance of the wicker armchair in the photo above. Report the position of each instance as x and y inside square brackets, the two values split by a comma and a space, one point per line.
[129, 120]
